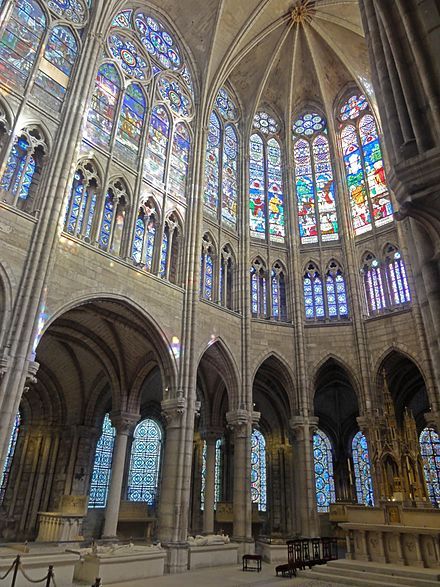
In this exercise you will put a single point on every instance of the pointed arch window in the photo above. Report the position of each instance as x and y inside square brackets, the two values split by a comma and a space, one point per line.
[258, 290]
[102, 467]
[131, 122]
[315, 189]
[362, 473]
[164, 252]
[313, 293]
[221, 163]
[373, 284]
[278, 291]
[396, 277]
[366, 181]
[258, 470]
[145, 236]
[157, 146]
[145, 459]
[323, 464]
[82, 202]
[218, 473]
[21, 41]
[170, 251]
[20, 169]
[179, 161]
[9, 456]
[113, 218]
[227, 277]
[430, 450]
[207, 269]
[336, 292]
[102, 112]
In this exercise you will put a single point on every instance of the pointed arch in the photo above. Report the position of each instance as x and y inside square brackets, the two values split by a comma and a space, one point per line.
[220, 357]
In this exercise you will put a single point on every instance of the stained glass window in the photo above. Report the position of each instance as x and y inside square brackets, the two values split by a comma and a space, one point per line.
[81, 207]
[56, 67]
[275, 191]
[157, 146]
[103, 466]
[226, 277]
[258, 290]
[257, 176]
[258, 470]
[158, 41]
[323, 464]
[73, 10]
[229, 179]
[313, 294]
[151, 239]
[367, 186]
[315, 189]
[212, 164]
[373, 283]
[125, 52]
[131, 121]
[164, 252]
[397, 278]
[265, 123]
[113, 219]
[20, 43]
[138, 240]
[9, 456]
[102, 111]
[279, 306]
[20, 170]
[179, 160]
[430, 450]
[207, 270]
[107, 222]
[143, 474]
[361, 462]
[217, 474]
[336, 293]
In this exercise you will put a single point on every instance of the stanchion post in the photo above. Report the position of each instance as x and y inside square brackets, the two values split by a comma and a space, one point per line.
[14, 574]
[49, 576]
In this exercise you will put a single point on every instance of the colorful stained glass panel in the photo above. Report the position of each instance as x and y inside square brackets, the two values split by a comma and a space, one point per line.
[229, 177]
[212, 164]
[323, 462]
[257, 178]
[361, 462]
[275, 198]
[143, 474]
[102, 467]
[131, 121]
[157, 146]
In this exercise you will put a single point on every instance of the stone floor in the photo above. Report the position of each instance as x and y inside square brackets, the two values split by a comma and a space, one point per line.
[227, 577]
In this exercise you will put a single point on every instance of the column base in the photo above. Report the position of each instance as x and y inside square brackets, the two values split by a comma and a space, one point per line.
[177, 557]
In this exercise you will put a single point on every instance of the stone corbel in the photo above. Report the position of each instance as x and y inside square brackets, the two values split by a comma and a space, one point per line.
[239, 421]
[173, 411]
[124, 422]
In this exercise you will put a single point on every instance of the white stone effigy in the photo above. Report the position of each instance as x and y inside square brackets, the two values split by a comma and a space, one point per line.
[212, 550]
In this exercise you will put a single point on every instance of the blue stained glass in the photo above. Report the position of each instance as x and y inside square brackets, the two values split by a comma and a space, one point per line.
[399, 288]
[107, 222]
[225, 105]
[257, 178]
[73, 10]
[308, 298]
[325, 190]
[102, 467]
[164, 253]
[212, 164]
[305, 192]
[20, 170]
[353, 107]
[173, 95]
[102, 111]
[9, 457]
[157, 146]
[258, 470]
[374, 288]
[229, 178]
[275, 296]
[123, 19]
[254, 292]
[61, 49]
[217, 474]
[158, 42]
[138, 241]
[361, 462]
[179, 160]
[143, 474]
[20, 42]
[275, 196]
[127, 55]
[313, 296]
[151, 237]
[323, 464]
[309, 124]
[209, 271]
[131, 121]
[430, 450]
[336, 296]
[89, 213]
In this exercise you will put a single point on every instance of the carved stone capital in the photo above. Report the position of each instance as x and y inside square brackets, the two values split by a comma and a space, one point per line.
[303, 428]
[240, 422]
[173, 411]
[124, 422]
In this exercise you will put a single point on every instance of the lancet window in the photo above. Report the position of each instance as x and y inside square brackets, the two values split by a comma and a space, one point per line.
[313, 293]
[36, 39]
[207, 269]
[221, 164]
[145, 460]
[23, 167]
[258, 470]
[150, 135]
[9, 456]
[145, 236]
[266, 199]
[323, 464]
[218, 473]
[258, 289]
[113, 217]
[336, 292]
[278, 292]
[227, 269]
[102, 467]
[169, 254]
[82, 201]
[430, 450]
[364, 167]
[396, 277]
[362, 473]
[315, 187]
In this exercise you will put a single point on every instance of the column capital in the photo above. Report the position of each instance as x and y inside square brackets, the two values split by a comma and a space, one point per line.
[303, 426]
[173, 411]
[240, 420]
[124, 422]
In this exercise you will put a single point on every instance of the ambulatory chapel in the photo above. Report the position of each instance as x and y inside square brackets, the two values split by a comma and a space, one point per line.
[220, 277]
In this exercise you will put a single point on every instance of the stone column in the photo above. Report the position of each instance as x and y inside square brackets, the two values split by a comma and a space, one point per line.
[124, 424]
[240, 422]
[303, 429]
[210, 437]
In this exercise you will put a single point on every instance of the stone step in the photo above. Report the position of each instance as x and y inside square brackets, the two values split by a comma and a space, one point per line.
[370, 575]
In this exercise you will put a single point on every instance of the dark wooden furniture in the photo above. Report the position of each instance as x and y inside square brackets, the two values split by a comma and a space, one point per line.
[252, 562]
